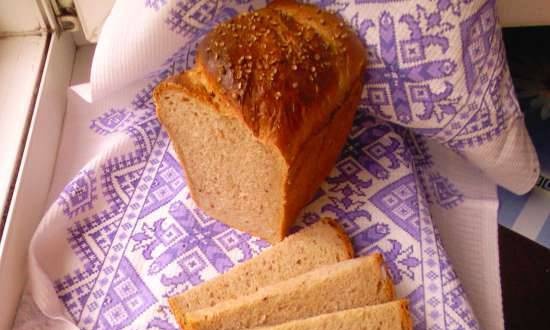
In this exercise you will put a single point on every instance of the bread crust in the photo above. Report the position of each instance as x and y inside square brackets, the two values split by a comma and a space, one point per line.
[317, 158]
[341, 234]
[407, 323]
[288, 294]
[284, 69]
[293, 75]
[177, 306]
[399, 306]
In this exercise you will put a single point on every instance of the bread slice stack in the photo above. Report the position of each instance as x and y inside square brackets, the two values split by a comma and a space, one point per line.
[391, 315]
[323, 243]
[308, 281]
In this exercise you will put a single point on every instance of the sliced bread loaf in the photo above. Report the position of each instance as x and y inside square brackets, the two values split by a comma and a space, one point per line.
[389, 316]
[260, 120]
[348, 284]
[322, 243]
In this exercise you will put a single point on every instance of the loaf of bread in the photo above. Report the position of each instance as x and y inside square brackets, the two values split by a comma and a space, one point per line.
[345, 285]
[322, 243]
[389, 316]
[260, 120]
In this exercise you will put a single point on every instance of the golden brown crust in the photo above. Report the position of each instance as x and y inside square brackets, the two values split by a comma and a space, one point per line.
[388, 284]
[178, 313]
[406, 320]
[284, 68]
[316, 158]
[341, 234]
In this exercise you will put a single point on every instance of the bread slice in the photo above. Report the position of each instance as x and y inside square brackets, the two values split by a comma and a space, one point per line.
[348, 284]
[322, 243]
[260, 120]
[389, 316]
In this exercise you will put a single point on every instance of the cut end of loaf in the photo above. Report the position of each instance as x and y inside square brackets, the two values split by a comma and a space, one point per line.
[231, 175]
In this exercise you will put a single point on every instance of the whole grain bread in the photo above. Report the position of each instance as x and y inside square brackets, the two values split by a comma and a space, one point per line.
[389, 316]
[322, 243]
[260, 120]
[347, 284]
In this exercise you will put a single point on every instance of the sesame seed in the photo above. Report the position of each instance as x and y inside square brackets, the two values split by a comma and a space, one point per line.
[317, 57]
[313, 69]
[294, 85]
[294, 67]
[277, 95]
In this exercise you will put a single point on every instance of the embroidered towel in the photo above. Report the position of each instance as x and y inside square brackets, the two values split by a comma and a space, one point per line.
[437, 128]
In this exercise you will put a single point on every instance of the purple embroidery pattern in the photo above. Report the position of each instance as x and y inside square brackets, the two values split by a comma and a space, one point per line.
[444, 192]
[138, 237]
[79, 195]
[166, 185]
[192, 18]
[438, 189]
[398, 201]
[400, 88]
[406, 237]
[400, 262]
[112, 121]
[429, 93]
[155, 4]
[129, 296]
